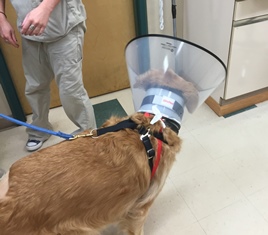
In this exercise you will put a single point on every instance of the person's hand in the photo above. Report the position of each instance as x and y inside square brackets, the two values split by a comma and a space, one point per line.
[8, 33]
[35, 22]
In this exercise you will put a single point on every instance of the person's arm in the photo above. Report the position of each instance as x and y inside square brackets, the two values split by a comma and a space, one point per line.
[2, 8]
[6, 30]
[36, 20]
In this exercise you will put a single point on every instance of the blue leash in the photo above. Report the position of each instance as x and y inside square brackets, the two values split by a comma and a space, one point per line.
[59, 134]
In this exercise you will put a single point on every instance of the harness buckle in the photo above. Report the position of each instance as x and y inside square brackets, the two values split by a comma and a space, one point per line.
[147, 144]
[150, 153]
[145, 135]
[92, 134]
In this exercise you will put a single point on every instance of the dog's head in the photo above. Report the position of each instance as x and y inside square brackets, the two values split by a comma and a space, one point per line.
[169, 79]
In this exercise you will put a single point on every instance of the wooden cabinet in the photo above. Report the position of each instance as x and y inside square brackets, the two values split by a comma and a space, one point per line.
[236, 31]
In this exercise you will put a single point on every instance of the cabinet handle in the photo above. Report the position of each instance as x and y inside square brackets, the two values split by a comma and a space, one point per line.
[240, 0]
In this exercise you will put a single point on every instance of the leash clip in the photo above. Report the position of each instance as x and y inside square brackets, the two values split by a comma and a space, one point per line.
[81, 136]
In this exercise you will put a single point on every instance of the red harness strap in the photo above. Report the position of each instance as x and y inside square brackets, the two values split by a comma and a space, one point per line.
[159, 150]
[158, 155]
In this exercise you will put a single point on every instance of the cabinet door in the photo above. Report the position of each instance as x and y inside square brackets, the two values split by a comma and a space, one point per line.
[247, 66]
[245, 9]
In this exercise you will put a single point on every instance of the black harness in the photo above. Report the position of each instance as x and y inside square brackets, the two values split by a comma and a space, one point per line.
[142, 131]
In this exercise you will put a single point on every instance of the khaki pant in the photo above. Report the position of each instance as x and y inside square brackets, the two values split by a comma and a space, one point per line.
[61, 60]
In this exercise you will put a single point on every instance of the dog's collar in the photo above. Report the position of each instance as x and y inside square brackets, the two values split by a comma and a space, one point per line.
[131, 125]
[172, 124]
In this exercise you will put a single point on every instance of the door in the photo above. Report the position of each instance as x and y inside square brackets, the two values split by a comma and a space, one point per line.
[110, 25]
[247, 68]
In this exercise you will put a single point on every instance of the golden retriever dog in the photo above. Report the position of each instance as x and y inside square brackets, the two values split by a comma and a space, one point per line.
[78, 187]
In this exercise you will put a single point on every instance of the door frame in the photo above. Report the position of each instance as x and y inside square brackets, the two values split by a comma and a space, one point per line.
[10, 91]
[140, 13]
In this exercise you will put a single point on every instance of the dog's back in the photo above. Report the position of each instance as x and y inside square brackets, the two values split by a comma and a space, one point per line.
[79, 185]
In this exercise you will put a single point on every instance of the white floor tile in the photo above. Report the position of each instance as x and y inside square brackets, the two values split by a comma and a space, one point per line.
[12, 142]
[192, 155]
[158, 229]
[238, 218]
[247, 169]
[168, 212]
[203, 116]
[260, 201]
[220, 138]
[194, 229]
[206, 190]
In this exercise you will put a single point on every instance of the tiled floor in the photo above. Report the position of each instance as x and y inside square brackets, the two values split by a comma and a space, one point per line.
[219, 183]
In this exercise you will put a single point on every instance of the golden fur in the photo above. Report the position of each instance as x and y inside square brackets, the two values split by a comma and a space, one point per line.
[161, 78]
[80, 186]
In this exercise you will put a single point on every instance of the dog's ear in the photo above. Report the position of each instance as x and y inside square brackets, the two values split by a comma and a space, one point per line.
[188, 89]
[141, 120]
[151, 78]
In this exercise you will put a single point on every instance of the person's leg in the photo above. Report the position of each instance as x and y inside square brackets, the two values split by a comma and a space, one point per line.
[38, 74]
[66, 59]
